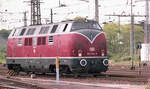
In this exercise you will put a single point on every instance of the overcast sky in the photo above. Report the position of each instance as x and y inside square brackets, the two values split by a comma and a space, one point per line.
[13, 16]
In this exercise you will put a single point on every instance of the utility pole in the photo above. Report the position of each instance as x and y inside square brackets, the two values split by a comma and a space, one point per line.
[59, 3]
[132, 40]
[51, 15]
[35, 12]
[119, 24]
[96, 11]
[146, 29]
[146, 23]
[25, 18]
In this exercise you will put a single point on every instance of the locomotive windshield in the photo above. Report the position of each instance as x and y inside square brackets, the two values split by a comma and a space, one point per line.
[78, 25]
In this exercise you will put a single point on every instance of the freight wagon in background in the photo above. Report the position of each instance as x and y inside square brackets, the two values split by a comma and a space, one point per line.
[79, 44]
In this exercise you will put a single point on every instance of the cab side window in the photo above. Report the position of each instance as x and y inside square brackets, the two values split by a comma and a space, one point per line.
[44, 30]
[65, 28]
[31, 31]
[41, 41]
[22, 32]
[14, 32]
[19, 41]
[50, 40]
[54, 28]
[28, 42]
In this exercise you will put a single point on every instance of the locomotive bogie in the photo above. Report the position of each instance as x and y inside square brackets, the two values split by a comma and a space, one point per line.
[74, 65]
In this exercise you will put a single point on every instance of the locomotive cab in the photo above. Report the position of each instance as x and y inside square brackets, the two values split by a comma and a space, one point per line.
[89, 47]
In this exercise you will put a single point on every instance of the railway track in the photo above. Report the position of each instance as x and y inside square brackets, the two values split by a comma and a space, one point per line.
[116, 74]
[143, 71]
[15, 83]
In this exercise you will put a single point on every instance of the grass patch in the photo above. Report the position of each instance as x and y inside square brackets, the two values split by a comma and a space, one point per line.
[2, 61]
[122, 58]
[2, 58]
[125, 60]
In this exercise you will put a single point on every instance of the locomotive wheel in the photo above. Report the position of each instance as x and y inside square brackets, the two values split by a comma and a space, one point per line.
[60, 74]
[76, 75]
[44, 73]
[17, 69]
[96, 75]
[67, 70]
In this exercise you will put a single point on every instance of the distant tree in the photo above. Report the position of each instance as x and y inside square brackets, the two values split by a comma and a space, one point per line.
[67, 19]
[4, 33]
[119, 43]
[111, 36]
[79, 18]
[3, 39]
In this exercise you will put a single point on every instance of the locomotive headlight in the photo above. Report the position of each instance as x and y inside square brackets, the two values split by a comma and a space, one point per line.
[102, 53]
[79, 50]
[79, 53]
[105, 62]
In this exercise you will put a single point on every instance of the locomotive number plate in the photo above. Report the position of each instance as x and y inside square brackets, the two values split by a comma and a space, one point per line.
[92, 49]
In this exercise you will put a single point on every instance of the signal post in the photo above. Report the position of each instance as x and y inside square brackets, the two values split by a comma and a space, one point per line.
[57, 70]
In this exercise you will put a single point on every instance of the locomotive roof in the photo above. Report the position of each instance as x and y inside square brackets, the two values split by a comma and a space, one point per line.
[44, 29]
[62, 22]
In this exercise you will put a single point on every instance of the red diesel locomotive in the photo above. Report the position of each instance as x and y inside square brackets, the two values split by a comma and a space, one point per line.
[79, 44]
